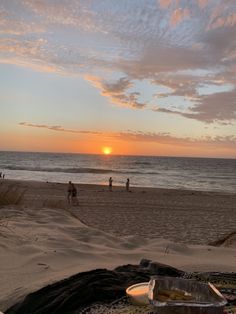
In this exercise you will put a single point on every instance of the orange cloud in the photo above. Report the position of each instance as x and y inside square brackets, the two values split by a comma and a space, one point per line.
[27, 48]
[27, 53]
[11, 25]
[58, 128]
[130, 142]
[37, 66]
[165, 3]
[178, 16]
[202, 3]
[139, 136]
[71, 14]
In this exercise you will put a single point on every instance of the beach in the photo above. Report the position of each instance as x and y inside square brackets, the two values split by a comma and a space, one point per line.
[44, 239]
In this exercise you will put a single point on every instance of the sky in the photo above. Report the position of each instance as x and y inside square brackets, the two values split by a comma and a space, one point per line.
[141, 77]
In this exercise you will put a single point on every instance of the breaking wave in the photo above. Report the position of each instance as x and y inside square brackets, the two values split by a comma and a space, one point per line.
[74, 170]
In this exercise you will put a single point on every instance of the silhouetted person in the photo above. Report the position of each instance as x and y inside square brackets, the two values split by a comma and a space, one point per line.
[127, 185]
[74, 199]
[69, 192]
[0, 174]
[3, 176]
[110, 184]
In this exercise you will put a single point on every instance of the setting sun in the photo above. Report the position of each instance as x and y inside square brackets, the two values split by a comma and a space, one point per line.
[107, 150]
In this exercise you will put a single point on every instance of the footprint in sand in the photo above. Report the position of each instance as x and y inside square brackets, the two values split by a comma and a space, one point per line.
[43, 264]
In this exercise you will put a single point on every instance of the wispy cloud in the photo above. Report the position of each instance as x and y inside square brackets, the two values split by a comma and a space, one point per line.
[140, 136]
[58, 128]
[179, 15]
[68, 13]
[202, 3]
[28, 53]
[11, 25]
[222, 15]
[117, 92]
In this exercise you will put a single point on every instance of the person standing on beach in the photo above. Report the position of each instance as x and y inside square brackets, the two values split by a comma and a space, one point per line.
[110, 184]
[74, 198]
[127, 185]
[69, 192]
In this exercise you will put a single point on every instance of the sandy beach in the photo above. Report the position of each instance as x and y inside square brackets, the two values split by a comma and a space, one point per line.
[43, 239]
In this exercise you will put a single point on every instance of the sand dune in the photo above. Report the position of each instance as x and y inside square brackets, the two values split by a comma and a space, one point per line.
[42, 239]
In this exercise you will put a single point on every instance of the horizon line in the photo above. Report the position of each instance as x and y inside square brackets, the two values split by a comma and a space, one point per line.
[111, 155]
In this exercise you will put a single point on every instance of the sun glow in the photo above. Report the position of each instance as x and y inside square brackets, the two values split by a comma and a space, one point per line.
[107, 150]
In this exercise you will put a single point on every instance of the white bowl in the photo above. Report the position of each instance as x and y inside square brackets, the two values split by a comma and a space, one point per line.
[138, 293]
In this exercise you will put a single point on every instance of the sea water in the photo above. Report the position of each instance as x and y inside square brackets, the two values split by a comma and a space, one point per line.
[207, 174]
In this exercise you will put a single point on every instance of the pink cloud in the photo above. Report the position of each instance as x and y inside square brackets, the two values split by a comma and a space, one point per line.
[70, 13]
[226, 21]
[27, 53]
[222, 16]
[26, 48]
[165, 3]
[202, 3]
[178, 16]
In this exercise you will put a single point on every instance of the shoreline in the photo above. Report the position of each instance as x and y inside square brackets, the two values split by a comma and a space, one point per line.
[116, 187]
[102, 154]
[118, 184]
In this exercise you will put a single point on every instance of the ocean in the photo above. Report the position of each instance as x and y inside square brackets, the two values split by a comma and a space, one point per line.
[206, 174]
